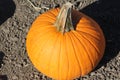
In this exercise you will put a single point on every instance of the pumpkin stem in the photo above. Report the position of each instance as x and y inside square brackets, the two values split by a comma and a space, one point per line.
[64, 20]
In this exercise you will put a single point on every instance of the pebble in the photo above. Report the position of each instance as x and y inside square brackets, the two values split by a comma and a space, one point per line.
[14, 77]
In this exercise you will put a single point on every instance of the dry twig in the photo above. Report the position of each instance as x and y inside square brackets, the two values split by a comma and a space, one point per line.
[37, 8]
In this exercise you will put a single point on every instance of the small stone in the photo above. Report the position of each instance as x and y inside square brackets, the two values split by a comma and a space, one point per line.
[15, 77]
[119, 58]
[25, 63]
[18, 65]
[6, 30]
[92, 73]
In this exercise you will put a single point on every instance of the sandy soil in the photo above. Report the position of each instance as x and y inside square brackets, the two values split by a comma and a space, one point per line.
[16, 16]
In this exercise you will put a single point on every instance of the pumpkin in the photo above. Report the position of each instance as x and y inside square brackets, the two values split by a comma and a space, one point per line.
[64, 43]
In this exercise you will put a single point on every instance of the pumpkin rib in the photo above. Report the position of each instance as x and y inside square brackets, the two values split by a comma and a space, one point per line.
[79, 43]
[59, 52]
[38, 29]
[40, 37]
[87, 30]
[84, 48]
[43, 17]
[100, 36]
[72, 35]
[67, 56]
[85, 25]
[59, 60]
[44, 46]
[51, 18]
[92, 44]
[44, 43]
[80, 32]
[37, 43]
[52, 52]
[64, 54]
[42, 30]
[34, 55]
[88, 25]
[90, 20]
[56, 45]
[58, 40]
[72, 43]
[44, 22]
[69, 70]
[53, 12]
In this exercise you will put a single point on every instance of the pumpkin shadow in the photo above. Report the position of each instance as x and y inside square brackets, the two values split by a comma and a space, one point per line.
[3, 77]
[107, 15]
[7, 8]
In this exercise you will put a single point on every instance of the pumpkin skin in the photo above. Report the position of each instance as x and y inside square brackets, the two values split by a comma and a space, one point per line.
[69, 55]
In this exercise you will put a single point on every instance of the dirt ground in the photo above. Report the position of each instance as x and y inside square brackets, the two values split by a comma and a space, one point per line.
[16, 17]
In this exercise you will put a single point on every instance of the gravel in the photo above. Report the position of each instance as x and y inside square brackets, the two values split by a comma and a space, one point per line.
[16, 17]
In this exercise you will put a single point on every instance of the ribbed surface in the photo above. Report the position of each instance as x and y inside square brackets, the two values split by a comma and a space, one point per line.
[67, 56]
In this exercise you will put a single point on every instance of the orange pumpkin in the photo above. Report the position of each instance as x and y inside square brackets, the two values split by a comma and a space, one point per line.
[64, 43]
